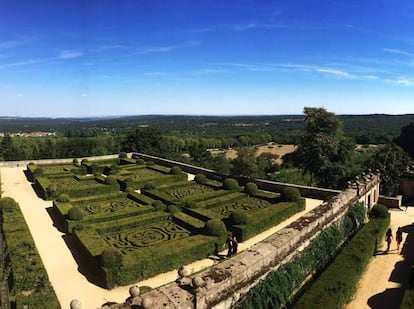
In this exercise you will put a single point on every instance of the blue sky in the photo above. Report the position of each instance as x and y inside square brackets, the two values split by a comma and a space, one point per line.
[99, 58]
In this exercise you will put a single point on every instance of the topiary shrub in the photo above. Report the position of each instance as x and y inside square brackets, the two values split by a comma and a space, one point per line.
[150, 163]
[158, 205]
[75, 161]
[176, 170]
[290, 195]
[231, 184]
[63, 198]
[190, 204]
[140, 161]
[200, 178]
[149, 186]
[75, 213]
[51, 189]
[239, 216]
[123, 155]
[173, 209]
[111, 180]
[114, 169]
[251, 188]
[215, 227]
[84, 160]
[379, 211]
[129, 190]
[111, 258]
[8, 204]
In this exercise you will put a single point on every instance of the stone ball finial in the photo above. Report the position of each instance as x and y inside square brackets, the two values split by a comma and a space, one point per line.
[134, 290]
[75, 304]
[198, 282]
[182, 272]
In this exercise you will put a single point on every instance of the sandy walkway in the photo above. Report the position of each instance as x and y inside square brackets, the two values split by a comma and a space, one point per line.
[66, 278]
[382, 284]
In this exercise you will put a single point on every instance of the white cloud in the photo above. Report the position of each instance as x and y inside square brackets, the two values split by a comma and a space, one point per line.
[24, 40]
[210, 71]
[155, 74]
[401, 81]
[20, 95]
[338, 73]
[70, 54]
[23, 63]
[84, 95]
[398, 52]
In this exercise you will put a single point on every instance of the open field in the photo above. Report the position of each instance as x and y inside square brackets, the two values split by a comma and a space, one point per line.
[277, 149]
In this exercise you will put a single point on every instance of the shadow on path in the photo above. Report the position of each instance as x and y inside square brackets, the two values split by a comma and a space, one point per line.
[86, 264]
[54, 215]
[392, 298]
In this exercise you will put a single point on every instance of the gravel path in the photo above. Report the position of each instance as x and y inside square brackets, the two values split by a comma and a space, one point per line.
[67, 278]
[382, 284]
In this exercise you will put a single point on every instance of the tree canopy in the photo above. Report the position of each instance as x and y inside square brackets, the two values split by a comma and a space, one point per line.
[324, 150]
[406, 139]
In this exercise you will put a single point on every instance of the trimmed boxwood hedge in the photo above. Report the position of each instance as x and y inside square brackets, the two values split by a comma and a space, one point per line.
[278, 288]
[27, 269]
[140, 198]
[265, 218]
[336, 286]
[155, 180]
[142, 264]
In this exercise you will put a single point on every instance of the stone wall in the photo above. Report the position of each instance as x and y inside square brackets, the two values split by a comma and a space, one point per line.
[407, 187]
[390, 202]
[55, 161]
[310, 192]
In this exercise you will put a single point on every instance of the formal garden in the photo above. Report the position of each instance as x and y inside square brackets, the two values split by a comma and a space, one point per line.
[135, 219]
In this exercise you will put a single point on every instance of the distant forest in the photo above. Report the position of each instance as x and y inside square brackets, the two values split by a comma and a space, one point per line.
[284, 129]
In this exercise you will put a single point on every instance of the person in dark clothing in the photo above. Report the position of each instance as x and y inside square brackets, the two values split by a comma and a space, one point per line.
[398, 237]
[230, 246]
[388, 238]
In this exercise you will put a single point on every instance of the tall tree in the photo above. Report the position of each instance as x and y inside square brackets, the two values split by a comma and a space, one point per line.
[323, 148]
[245, 162]
[392, 162]
[142, 139]
[406, 139]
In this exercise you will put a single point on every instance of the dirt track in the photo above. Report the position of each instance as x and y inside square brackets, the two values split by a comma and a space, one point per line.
[382, 284]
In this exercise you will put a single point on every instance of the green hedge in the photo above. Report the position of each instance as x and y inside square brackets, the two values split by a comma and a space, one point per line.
[213, 202]
[190, 223]
[140, 198]
[162, 196]
[336, 286]
[105, 217]
[142, 264]
[159, 168]
[130, 222]
[155, 180]
[27, 269]
[278, 288]
[265, 218]
[84, 191]
[209, 195]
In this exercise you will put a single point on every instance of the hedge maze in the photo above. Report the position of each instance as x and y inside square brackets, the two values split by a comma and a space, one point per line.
[135, 219]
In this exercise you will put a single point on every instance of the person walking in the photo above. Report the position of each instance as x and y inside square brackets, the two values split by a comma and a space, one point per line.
[388, 238]
[235, 244]
[398, 237]
[230, 246]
